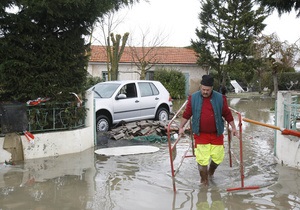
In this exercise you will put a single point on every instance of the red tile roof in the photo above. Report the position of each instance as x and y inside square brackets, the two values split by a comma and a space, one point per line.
[163, 55]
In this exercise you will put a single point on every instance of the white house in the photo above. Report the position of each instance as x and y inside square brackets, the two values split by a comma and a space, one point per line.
[177, 58]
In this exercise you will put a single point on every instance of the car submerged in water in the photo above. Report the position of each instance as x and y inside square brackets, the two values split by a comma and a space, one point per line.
[130, 100]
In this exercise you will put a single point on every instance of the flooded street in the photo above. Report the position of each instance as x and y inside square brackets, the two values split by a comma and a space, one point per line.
[89, 181]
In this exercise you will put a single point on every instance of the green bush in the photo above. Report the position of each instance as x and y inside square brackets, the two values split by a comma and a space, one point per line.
[173, 80]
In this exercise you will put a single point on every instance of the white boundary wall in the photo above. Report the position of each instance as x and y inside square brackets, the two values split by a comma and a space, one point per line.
[58, 143]
[287, 149]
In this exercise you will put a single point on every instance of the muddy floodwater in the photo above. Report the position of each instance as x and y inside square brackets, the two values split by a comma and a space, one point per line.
[140, 182]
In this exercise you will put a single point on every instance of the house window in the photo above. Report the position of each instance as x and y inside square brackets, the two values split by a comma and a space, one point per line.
[104, 76]
[150, 75]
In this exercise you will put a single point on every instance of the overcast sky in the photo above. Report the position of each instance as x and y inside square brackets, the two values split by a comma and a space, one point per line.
[178, 19]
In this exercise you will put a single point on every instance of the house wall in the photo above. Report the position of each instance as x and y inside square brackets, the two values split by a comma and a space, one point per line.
[58, 143]
[126, 71]
[129, 71]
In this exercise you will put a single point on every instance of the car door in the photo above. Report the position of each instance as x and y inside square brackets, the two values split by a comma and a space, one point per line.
[149, 99]
[126, 106]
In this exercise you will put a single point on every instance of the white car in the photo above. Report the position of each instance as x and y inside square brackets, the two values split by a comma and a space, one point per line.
[130, 100]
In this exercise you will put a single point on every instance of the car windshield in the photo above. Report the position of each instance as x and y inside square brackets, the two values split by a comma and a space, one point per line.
[105, 90]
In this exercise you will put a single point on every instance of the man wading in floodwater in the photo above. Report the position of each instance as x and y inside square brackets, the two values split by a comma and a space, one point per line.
[207, 108]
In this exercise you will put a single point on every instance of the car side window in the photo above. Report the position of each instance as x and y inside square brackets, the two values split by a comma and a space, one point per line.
[148, 89]
[129, 90]
[154, 89]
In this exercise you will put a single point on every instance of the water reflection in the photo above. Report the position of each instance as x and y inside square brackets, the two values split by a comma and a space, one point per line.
[208, 200]
[47, 183]
[89, 181]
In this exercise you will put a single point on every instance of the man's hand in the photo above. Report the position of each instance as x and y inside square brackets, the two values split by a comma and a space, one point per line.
[235, 132]
[233, 129]
[181, 127]
[181, 131]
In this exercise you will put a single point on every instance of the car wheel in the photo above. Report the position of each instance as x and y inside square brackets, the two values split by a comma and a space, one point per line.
[102, 123]
[162, 114]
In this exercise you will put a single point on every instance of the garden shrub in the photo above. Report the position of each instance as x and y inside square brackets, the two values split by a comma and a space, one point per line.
[173, 80]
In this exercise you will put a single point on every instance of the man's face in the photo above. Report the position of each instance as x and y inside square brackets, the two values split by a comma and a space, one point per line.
[206, 90]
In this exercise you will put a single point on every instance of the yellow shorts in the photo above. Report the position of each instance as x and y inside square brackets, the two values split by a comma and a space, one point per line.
[204, 152]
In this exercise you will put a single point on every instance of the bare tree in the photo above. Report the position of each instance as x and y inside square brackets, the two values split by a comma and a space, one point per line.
[115, 53]
[107, 24]
[146, 56]
[278, 56]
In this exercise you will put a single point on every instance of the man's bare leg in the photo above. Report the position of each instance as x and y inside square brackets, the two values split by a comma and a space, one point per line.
[203, 174]
[212, 168]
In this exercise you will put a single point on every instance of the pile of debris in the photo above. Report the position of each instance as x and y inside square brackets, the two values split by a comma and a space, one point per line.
[142, 128]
